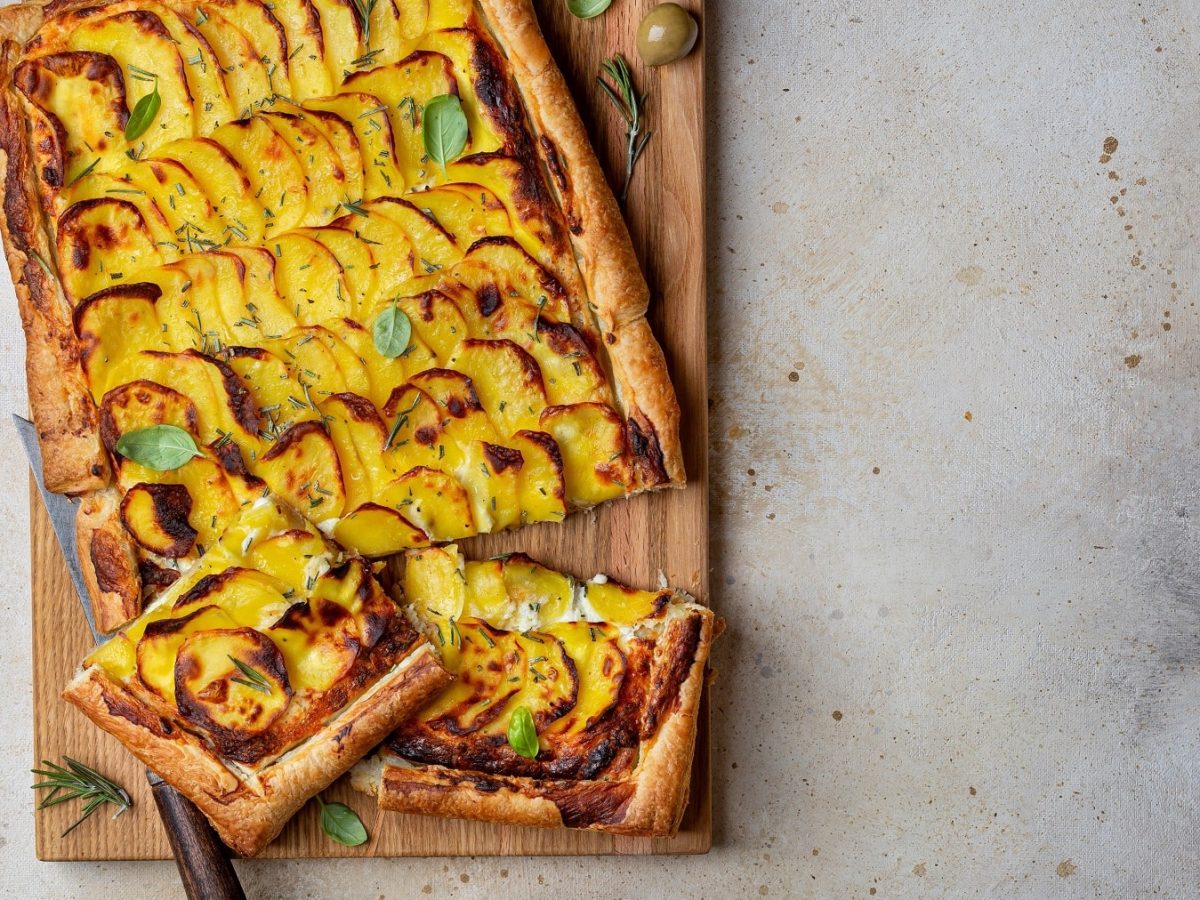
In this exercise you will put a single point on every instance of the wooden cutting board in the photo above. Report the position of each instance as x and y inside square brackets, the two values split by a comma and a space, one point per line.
[633, 540]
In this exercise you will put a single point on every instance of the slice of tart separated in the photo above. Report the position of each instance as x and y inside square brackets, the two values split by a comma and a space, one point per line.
[574, 703]
[261, 675]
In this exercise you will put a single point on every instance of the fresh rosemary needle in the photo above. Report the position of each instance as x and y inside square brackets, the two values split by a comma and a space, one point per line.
[629, 103]
[79, 782]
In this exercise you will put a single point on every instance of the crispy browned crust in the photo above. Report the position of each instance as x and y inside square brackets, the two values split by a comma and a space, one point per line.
[650, 802]
[73, 461]
[110, 567]
[249, 808]
[610, 269]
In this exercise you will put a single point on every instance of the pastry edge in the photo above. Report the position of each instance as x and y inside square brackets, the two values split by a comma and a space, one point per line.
[655, 808]
[249, 812]
[599, 236]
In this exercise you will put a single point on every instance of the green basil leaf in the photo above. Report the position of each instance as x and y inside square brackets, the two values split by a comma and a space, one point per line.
[161, 447]
[143, 114]
[444, 129]
[522, 733]
[392, 331]
[587, 9]
[342, 824]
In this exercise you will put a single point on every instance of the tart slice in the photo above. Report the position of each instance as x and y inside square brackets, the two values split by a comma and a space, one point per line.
[260, 675]
[574, 704]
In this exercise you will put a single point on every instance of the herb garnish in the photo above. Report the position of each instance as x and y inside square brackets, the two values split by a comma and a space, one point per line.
[255, 680]
[624, 96]
[522, 733]
[342, 824]
[392, 331]
[587, 9]
[143, 114]
[79, 782]
[159, 447]
[444, 129]
[364, 8]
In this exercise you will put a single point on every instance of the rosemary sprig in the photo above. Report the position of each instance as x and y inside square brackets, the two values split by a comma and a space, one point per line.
[629, 103]
[254, 679]
[79, 782]
[364, 9]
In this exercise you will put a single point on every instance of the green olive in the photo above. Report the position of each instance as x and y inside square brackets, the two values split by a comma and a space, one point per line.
[667, 33]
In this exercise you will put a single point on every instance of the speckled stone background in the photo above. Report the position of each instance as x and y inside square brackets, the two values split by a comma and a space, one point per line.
[955, 385]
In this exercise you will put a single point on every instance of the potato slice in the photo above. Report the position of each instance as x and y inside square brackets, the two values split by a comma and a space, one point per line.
[591, 438]
[303, 469]
[102, 243]
[214, 693]
[160, 642]
[157, 517]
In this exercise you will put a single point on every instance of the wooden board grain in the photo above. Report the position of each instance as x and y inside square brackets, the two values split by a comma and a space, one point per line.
[637, 541]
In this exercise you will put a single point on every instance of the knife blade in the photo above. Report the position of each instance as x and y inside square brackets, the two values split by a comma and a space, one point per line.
[202, 859]
[62, 511]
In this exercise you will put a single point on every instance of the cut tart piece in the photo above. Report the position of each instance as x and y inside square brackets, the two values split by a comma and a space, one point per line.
[609, 677]
[260, 675]
[230, 268]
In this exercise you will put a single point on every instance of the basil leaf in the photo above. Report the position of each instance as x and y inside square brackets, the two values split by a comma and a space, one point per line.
[161, 447]
[522, 733]
[143, 114]
[342, 824]
[444, 129]
[392, 331]
[587, 9]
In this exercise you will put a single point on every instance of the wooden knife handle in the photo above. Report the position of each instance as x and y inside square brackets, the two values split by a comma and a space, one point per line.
[203, 861]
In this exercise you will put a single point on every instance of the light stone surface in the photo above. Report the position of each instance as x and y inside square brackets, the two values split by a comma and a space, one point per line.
[955, 375]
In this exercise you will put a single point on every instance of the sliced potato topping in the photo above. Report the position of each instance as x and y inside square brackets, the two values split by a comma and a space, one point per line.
[230, 266]
[519, 634]
[256, 639]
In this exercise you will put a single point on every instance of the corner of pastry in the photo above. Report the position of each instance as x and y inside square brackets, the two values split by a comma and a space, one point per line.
[575, 703]
[261, 674]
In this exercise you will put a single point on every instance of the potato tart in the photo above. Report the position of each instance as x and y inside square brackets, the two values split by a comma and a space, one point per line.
[261, 675]
[225, 216]
[607, 678]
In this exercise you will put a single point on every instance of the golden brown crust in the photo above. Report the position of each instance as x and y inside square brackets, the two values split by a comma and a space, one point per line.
[249, 808]
[107, 558]
[650, 802]
[72, 459]
[601, 241]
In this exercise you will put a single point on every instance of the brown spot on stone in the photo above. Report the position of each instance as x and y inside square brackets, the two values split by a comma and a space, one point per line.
[1065, 869]
[464, 877]
[967, 415]
[971, 275]
[875, 471]
[763, 890]
[1113, 175]
[1166, 326]
[919, 870]
[779, 207]
[871, 892]
[837, 715]
[971, 791]
[1135, 260]
[736, 431]
[793, 377]
[1110, 145]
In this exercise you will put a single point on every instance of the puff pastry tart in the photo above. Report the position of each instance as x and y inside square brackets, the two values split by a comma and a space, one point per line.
[212, 207]
[261, 675]
[607, 678]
